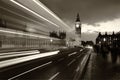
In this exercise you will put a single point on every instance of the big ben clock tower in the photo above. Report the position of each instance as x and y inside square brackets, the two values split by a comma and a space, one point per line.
[78, 31]
[78, 25]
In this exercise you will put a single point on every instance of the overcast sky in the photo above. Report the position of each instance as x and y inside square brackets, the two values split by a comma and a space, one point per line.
[96, 15]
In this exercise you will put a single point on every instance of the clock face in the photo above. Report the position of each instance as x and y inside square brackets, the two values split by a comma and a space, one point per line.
[77, 25]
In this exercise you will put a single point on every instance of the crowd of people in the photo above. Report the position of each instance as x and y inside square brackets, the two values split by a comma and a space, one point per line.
[104, 50]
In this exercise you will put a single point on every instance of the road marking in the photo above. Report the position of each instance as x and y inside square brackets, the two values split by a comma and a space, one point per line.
[72, 54]
[81, 50]
[79, 56]
[83, 60]
[71, 62]
[54, 76]
[60, 59]
[30, 70]
[78, 68]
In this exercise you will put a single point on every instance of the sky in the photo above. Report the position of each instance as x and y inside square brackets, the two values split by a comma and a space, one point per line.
[96, 15]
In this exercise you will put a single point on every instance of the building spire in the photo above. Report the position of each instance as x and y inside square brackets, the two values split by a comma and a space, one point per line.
[78, 18]
[99, 34]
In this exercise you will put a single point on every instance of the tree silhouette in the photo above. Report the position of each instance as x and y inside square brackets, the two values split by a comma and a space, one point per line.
[62, 35]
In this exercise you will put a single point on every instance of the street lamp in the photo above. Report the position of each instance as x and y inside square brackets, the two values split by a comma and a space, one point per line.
[104, 39]
[51, 40]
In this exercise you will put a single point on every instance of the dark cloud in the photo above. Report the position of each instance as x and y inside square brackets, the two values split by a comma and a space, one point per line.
[91, 11]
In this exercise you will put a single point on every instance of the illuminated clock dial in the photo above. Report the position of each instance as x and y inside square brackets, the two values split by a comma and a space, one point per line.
[77, 25]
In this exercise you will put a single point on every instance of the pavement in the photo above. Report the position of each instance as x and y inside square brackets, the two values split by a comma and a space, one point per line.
[100, 68]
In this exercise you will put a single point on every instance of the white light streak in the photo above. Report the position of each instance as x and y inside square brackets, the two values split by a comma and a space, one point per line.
[21, 15]
[10, 53]
[21, 33]
[18, 54]
[45, 8]
[24, 59]
[33, 12]
[50, 12]
[14, 32]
